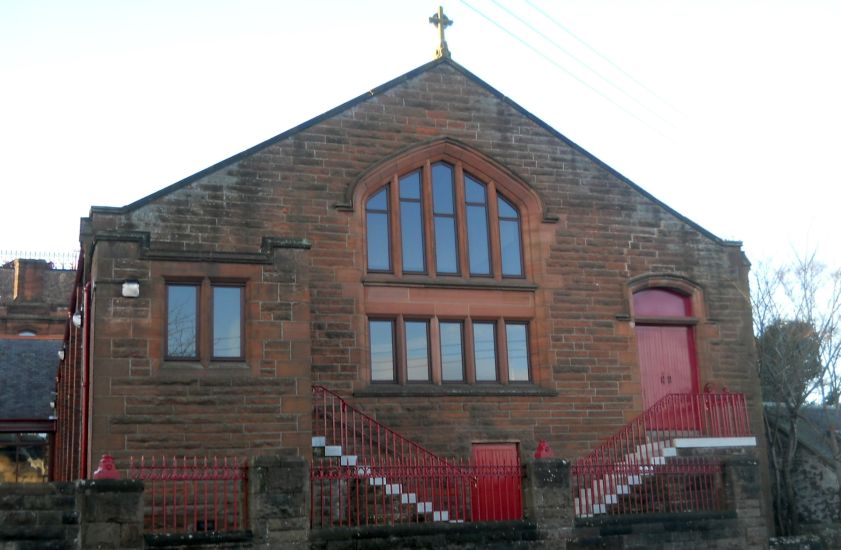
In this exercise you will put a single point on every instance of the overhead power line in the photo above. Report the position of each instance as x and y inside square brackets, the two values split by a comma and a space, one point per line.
[602, 56]
[564, 69]
[580, 62]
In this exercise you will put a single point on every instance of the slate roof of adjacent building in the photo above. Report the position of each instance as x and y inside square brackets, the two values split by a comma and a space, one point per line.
[27, 377]
[814, 425]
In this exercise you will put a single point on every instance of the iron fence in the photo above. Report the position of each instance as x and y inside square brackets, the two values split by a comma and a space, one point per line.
[193, 494]
[391, 493]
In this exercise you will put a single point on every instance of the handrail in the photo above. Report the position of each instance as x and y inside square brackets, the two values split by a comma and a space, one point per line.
[360, 435]
[675, 415]
[623, 461]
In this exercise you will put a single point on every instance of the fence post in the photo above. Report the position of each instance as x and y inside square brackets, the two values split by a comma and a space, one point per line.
[743, 490]
[279, 501]
[110, 513]
[548, 497]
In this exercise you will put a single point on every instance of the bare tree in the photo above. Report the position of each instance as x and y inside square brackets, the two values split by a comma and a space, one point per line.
[797, 318]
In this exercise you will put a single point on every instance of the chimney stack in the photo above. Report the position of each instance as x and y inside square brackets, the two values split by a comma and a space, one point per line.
[29, 280]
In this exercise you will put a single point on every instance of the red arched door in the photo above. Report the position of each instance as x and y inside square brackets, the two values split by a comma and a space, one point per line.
[665, 343]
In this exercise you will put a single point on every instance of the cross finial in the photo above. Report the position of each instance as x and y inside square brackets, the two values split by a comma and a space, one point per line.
[442, 22]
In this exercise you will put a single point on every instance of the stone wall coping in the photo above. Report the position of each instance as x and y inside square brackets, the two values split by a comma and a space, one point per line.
[398, 532]
[163, 540]
[666, 518]
[110, 485]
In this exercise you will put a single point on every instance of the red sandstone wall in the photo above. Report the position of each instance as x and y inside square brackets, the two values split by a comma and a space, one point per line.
[606, 234]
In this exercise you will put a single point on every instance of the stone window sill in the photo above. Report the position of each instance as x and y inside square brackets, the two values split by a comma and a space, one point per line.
[454, 390]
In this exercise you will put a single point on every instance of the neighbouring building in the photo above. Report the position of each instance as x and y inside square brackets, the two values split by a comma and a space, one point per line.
[33, 314]
[431, 252]
[817, 461]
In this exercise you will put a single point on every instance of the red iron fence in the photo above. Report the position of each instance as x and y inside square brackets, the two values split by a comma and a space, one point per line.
[637, 469]
[371, 475]
[679, 485]
[394, 493]
[193, 494]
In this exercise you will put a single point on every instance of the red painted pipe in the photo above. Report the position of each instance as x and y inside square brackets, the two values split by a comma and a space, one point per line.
[86, 371]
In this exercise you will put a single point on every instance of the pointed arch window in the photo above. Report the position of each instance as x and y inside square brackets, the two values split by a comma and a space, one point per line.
[438, 219]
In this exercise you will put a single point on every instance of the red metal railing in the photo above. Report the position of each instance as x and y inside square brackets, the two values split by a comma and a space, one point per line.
[193, 494]
[394, 493]
[642, 449]
[71, 377]
[357, 434]
[371, 475]
[684, 484]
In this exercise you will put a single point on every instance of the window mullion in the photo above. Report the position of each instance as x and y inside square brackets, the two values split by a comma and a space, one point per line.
[502, 351]
[395, 227]
[493, 230]
[461, 224]
[426, 212]
[435, 350]
[469, 356]
[400, 343]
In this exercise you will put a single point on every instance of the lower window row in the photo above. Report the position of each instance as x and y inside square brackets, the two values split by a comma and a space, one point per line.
[404, 350]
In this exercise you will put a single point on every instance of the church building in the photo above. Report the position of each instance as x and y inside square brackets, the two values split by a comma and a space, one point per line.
[430, 254]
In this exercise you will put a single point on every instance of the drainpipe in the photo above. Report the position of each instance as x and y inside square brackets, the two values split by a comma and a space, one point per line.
[86, 373]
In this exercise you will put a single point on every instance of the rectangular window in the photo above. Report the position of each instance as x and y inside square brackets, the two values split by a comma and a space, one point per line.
[411, 223]
[182, 321]
[227, 322]
[417, 351]
[452, 351]
[402, 352]
[382, 350]
[516, 339]
[484, 351]
[25, 457]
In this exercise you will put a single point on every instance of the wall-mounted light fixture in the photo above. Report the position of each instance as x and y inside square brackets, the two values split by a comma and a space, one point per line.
[61, 354]
[131, 289]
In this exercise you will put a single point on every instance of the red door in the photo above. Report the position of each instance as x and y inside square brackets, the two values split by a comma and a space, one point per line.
[497, 492]
[666, 348]
[666, 364]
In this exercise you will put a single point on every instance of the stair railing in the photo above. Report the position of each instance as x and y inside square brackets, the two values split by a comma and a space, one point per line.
[371, 475]
[675, 415]
[361, 436]
[637, 450]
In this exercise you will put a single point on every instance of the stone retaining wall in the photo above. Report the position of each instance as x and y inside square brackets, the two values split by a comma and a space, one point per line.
[108, 514]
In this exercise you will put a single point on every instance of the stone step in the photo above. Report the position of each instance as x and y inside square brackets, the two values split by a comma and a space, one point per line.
[391, 489]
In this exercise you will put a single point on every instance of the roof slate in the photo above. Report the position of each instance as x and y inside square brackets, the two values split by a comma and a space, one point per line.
[27, 377]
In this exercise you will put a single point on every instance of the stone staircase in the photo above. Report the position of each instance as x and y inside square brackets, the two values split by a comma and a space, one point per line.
[395, 491]
[648, 461]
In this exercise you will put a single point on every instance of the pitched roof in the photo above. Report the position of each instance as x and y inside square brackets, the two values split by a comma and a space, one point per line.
[378, 91]
[814, 426]
[27, 377]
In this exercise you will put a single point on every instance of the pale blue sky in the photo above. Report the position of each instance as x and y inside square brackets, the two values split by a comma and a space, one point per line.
[104, 102]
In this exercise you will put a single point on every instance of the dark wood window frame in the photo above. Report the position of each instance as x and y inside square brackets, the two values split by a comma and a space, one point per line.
[400, 373]
[492, 220]
[205, 319]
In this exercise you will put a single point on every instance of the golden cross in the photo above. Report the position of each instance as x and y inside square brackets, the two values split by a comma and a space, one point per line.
[442, 22]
